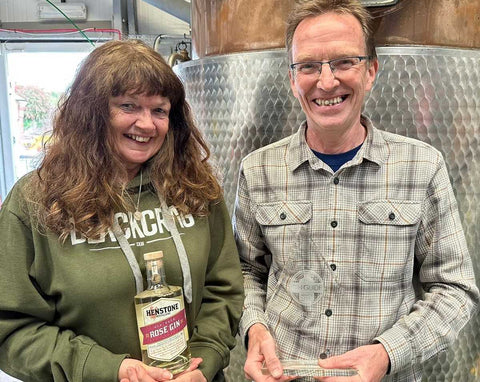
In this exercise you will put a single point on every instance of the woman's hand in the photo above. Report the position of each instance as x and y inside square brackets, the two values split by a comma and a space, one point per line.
[132, 370]
[191, 376]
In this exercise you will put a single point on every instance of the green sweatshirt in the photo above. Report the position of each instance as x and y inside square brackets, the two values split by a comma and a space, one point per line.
[67, 311]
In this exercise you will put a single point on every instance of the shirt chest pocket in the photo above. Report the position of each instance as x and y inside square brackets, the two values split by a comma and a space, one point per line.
[284, 213]
[388, 229]
[281, 221]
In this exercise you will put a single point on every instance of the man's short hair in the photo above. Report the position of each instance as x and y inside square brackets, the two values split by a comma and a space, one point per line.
[311, 8]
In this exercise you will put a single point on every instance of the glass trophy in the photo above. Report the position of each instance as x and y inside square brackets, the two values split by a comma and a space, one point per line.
[302, 282]
[309, 368]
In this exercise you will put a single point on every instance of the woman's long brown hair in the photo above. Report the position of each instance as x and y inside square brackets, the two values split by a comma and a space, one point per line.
[81, 180]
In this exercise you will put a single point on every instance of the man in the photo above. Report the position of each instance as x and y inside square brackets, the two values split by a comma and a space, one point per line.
[350, 239]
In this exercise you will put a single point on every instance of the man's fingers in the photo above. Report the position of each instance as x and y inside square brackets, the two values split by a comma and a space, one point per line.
[338, 362]
[274, 366]
[271, 360]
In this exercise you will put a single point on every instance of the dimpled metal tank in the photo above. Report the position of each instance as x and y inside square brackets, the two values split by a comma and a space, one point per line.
[243, 101]
[427, 87]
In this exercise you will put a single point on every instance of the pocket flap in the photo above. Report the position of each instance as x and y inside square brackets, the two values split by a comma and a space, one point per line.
[284, 212]
[391, 212]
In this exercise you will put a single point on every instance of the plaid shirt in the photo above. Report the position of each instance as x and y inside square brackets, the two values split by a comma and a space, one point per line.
[373, 252]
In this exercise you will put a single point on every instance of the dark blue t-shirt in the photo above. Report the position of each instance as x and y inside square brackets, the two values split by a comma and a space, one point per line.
[335, 161]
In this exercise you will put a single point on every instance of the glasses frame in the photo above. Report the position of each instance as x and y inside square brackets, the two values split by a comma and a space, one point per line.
[329, 62]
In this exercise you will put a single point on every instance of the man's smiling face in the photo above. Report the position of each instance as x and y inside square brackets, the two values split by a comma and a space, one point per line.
[331, 101]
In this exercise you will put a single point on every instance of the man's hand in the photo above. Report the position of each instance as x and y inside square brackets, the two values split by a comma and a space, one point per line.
[261, 348]
[132, 370]
[371, 362]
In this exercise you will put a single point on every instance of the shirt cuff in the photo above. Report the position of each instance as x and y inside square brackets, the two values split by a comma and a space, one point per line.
[398, 348]
[247, 320]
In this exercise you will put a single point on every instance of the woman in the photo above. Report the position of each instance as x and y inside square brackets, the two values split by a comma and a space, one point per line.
[124, 173]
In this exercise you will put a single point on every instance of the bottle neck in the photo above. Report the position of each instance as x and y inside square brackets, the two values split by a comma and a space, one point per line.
[155, 274]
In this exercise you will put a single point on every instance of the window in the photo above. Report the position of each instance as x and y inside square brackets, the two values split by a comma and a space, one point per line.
[32, 78]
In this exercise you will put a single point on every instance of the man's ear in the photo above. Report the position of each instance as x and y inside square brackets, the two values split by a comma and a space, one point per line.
[292, 83]
[371, 74]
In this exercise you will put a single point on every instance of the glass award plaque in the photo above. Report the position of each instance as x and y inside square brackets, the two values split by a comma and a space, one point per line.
[309, 368]
[298, 302]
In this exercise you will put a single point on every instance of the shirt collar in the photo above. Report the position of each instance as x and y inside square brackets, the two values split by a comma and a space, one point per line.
[374, 148]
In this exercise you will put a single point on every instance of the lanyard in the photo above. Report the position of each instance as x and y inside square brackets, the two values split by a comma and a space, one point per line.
[127, 251]
[182, 254]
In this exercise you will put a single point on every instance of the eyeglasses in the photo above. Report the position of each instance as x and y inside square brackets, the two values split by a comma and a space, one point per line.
[337, 66]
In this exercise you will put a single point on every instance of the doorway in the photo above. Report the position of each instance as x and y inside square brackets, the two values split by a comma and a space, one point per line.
[35, 76]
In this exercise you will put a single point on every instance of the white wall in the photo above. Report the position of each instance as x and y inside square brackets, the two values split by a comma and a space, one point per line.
[150, 19]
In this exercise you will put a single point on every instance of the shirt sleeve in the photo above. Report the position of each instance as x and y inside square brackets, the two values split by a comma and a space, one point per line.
[449, 294]
[254, 257]
[216, 323]
[32, 348]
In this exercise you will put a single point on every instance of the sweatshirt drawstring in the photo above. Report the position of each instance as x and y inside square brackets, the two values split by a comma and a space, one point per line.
[182, 254]
[127, 251]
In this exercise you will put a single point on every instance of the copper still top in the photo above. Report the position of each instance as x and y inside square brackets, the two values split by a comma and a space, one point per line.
[221, 27]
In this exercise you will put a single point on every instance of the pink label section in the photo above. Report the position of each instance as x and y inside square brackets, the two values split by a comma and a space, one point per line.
[164, 329]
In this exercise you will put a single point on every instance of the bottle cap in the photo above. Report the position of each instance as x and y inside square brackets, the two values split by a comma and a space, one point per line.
[153, 255]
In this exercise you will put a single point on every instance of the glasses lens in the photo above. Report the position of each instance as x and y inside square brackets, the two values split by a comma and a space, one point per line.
[338, 66]
[343, 64]
[308, 68]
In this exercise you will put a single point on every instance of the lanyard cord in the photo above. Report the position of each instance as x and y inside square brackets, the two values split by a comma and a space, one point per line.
[182, 254]
[127, 251]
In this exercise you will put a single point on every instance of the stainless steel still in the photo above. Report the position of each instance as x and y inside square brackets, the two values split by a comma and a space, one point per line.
[428, 87]
[243, 101]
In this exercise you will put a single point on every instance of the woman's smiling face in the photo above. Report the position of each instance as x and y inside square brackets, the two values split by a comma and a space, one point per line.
[138, 124]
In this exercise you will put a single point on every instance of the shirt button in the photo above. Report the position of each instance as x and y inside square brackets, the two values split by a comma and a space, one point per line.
[334, 223]
[283, 216]
[333, 266]
[323, 355]
[336, 180]
[328, 312]
[391, 216]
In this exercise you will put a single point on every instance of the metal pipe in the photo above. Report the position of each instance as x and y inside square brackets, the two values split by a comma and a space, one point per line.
[181, 56]
[160, 37]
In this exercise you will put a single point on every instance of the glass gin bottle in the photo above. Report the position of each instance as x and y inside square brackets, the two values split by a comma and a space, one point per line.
[161, 319]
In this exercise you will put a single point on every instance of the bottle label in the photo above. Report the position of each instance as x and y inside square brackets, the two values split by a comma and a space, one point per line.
[164, 329]
[165, 332]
